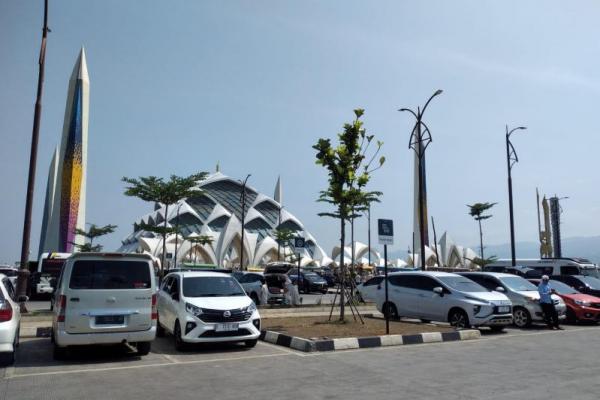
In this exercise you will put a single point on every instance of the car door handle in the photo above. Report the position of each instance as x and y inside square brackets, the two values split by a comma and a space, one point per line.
[74, 299]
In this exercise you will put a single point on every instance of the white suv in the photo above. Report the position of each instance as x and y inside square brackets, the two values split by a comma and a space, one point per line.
[105, 298]
[446, 297]
[200, 307]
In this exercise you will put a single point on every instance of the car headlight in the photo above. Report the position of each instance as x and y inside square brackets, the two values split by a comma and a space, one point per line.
[251, 307]
[583, 303]
[531, 299]
[192, 309]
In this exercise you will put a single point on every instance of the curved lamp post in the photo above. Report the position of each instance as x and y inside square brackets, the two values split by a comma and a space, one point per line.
[243, 200]
[511, 159]
[419, 140]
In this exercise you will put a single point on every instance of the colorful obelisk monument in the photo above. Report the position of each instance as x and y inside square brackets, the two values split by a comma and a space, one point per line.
[66, 206]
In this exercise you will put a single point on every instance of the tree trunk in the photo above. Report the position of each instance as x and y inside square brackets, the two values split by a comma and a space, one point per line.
[481, 239]
[342, 269]
[164, 235]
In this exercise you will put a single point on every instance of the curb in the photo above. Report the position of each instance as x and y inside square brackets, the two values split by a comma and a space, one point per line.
[308, 346]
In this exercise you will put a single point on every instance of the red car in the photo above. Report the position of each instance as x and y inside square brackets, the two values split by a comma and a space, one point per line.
[580, 307]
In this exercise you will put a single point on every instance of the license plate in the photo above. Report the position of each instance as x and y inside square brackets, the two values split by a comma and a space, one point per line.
[503, 309]
[110, 320]
[228, 327]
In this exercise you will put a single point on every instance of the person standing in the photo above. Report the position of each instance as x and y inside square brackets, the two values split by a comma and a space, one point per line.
[550, 315]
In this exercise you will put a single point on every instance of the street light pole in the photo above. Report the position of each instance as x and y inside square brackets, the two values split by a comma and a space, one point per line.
[511, 159]
[177, 234]
[243, 200]
[35, 135]
[419, 140]
[369, 232]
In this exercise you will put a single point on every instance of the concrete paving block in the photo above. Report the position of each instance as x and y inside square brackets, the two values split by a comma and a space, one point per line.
[271, 337]
[345, 343]
[470, 334]
[391, 340]
[432, 337]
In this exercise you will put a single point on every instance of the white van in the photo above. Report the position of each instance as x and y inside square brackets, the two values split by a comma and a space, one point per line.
[552, 266]
[105, 298]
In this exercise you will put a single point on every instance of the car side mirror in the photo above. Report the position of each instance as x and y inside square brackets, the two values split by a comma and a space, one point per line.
[439, 291]
[500, 289]
[22, 299]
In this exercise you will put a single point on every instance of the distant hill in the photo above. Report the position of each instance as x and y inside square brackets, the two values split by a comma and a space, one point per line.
[586, 247]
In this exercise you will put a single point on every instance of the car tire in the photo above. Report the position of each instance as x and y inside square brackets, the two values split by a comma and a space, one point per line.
[179, 343]
[7, 358]
[571, 316]
[521, 317]
[459, 319]
[497, 328]
[143, 348]
[254, 298]
[250, 343]
[390, 310]
[160, 330]
[59, 353]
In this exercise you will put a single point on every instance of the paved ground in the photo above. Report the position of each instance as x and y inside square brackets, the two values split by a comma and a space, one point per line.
[520, 364]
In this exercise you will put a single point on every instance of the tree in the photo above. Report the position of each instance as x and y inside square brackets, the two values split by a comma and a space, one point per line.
[349, 171]
[201, 240]
[283, 237]
[92, 233]
[157, 190]
[482, 262]
[476, 211]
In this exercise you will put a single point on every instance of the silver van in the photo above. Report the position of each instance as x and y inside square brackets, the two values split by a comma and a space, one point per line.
[105, 298]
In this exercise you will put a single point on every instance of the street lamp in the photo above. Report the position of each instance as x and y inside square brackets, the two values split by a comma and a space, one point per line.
[278, 228]
[243, 200]
[419, 140]
[511, 159]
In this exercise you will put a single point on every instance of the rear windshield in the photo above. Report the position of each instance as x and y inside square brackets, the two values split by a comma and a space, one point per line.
[213, 286]
[105, 274]
[52, 266]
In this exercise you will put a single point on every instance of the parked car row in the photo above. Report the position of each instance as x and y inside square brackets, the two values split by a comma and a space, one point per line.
[113, 298]
[463, 299]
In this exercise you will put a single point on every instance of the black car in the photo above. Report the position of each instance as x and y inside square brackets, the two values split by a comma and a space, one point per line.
[309, 281]
[584, 284]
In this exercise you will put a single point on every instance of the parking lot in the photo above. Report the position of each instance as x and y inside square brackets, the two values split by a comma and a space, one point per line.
[517, 364]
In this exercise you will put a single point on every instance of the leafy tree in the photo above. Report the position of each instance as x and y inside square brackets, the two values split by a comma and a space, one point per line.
[283, 237]
[349, 171]
[91, 234]
[477, 211]
[482, 262]
[167, 193]
[201, 240]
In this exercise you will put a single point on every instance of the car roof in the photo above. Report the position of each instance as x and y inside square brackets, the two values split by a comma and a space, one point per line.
[496, 274]
[193, 274]
[109, 255]
[425, 273]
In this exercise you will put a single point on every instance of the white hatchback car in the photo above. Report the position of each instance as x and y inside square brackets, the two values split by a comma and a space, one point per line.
[105, 298]
[201, 307]
[10, 319]
[445, 297]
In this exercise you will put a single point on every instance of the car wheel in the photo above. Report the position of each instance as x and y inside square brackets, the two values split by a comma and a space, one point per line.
[521, 317]
[250, 343]
[497, 328]
[390, 310]
[179, 343]
[459, 319]
[254, 298]
[160, 330]
[59, 353]
[143, 348]
[571, 317]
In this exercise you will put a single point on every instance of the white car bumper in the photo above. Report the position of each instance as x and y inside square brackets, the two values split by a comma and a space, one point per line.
[8, 330]
[63, 338]
[203, 332]
[538, 315]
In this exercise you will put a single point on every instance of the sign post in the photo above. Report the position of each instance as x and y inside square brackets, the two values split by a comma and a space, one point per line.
[385, 230]
[299, 245]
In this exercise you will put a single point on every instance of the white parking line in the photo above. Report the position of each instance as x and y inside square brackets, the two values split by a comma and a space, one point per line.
[109, 369]
[287, 350]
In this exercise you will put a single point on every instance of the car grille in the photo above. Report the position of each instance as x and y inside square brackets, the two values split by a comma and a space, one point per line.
[237, 315]
[214, 334]
[498, 312]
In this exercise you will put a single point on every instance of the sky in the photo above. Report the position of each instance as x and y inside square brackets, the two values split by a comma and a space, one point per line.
[177, 87]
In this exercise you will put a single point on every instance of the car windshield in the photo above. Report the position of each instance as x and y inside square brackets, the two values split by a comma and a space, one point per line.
[211, 286]
[313, 276]
[593, 283]
[562, 288]
[462, 284]
[518, 284]
[237, 275]
[592, 272]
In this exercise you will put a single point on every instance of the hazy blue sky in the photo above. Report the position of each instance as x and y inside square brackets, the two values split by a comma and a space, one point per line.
[176, 86]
